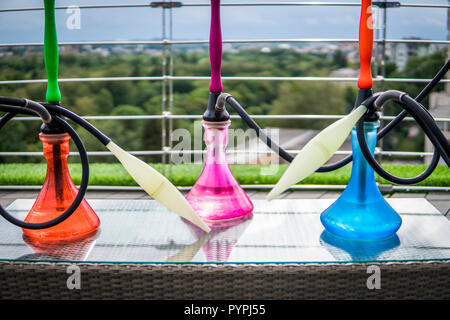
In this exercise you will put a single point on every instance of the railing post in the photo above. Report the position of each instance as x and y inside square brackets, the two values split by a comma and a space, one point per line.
[163, 86]
[383, 53]
[376, 65]
[170, 89]
[383, 71]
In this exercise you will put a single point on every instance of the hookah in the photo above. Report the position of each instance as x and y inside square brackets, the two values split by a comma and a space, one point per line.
[60, 212]
[361, 213]
[217, 196]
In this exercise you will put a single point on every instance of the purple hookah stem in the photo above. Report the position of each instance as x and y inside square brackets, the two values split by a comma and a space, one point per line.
[215, 48]
[217, 195]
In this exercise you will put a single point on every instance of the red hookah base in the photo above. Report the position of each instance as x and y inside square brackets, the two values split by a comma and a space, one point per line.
[57, 194]
[82, 223]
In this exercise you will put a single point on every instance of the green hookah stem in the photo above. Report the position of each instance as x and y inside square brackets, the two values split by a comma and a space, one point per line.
[53, 95]
[51, 54]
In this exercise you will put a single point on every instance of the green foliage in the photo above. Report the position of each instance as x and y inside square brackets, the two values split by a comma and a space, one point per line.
[308, 98]
[339, 59]
[424, 67]
[129, 133]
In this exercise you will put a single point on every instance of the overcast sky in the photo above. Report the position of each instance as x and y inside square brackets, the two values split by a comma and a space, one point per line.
[238, 22]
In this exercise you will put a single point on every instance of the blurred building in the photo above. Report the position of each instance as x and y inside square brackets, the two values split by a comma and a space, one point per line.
[439, 107]
[401, 52]
[253, 151]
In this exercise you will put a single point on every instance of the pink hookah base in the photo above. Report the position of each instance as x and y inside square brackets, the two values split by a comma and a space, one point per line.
[217, 196]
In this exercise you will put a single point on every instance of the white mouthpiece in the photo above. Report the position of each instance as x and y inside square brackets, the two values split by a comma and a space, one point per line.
[157, 186]
[317, 152]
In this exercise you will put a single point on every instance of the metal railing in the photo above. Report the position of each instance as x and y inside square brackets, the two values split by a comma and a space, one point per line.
[167, 77]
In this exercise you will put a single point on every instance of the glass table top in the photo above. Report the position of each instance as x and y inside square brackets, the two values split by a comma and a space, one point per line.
[280, 231]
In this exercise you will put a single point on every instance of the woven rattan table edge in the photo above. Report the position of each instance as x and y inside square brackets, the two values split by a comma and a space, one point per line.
[226, 264]
[190, 281]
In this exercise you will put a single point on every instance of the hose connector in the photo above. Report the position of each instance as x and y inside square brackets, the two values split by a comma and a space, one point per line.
[214, 113]
[221, 100]
[384, 97]
[39, 109]
[372, 113]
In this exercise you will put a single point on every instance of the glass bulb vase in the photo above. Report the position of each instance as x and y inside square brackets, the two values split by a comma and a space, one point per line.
[217, 195]
[361, 212]
[57, 194]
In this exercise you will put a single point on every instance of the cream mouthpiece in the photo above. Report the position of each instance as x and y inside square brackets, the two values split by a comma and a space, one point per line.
[157, 186]
[317, 152]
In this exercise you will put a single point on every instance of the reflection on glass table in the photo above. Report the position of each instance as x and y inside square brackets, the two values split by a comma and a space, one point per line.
[76, 250]
[280, 231]
[223, 238]
[351, 250]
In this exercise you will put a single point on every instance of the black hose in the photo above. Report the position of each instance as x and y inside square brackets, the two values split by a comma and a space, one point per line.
[28, 104]
[261, 134]
[53, 108]
[425, 121]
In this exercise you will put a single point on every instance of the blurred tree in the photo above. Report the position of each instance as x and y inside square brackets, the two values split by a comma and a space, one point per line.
[340, 59]
[126, 133]
[308, 98]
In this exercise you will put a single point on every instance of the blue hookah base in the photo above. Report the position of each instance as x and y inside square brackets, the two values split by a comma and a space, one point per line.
[363, 221]
[361, 212]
